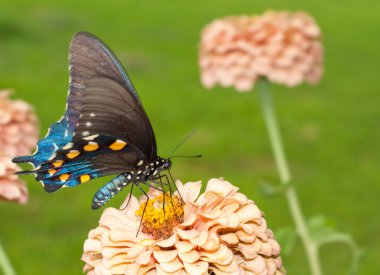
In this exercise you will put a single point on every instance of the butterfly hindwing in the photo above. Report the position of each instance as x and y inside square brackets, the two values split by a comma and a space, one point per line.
[68, 176]
[76, 162]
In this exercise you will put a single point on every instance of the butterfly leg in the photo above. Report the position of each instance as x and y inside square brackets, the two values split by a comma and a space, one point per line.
[170, 190]
[160, 177]
[163, 197]
[161, 184]
[129, 197]
[146, 203]
[166, 182]
[105, 193]
[175, 184]
[154, 187]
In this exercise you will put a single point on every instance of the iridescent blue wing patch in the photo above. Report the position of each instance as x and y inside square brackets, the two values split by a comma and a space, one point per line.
[58, 135]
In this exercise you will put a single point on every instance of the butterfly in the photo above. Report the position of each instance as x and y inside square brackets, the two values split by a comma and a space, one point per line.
[104, 130]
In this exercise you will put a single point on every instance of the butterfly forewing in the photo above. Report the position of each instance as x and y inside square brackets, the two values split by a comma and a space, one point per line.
[89, 57]
[107, 109]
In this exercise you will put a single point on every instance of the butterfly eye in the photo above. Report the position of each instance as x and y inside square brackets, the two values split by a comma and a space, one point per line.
[167, 164]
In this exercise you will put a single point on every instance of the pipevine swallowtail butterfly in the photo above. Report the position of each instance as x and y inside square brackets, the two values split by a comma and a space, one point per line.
[104, 130]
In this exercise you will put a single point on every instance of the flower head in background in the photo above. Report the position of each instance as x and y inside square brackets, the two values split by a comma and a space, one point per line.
[18, 126]
[283, 47]
[18, 136]
[221, 232]
[11, 187]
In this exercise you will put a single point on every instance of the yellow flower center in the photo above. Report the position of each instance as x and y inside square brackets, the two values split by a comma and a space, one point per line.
[161, 215]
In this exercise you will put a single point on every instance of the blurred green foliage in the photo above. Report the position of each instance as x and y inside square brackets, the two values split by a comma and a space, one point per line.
[331, 131]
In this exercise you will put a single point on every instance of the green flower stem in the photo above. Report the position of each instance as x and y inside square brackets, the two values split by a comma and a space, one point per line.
[282, 166]
[5, 264]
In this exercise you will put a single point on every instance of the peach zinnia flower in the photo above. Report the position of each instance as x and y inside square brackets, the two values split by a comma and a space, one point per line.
[220, 232]
[18, 126]
[283, 47]
[11, 187]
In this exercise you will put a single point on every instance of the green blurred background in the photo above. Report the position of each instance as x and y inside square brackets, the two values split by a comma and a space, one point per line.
[331, 131]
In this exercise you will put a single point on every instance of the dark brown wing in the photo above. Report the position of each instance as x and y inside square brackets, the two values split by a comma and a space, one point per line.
[100, 86]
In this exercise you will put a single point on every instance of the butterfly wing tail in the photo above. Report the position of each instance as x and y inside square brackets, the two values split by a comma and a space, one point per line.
[25, 172]
[22, 159]
[52, 187]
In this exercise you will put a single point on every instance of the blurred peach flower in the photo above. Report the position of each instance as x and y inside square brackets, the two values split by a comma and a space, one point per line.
[281, 46]
[11, 187]
[18, 126]
[218, 232]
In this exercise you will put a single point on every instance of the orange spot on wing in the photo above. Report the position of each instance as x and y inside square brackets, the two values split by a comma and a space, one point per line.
[73, 154]
[118, 145]
[91, 146]
[52, 171]
[64, 177]
[57, 163]
[84, 178]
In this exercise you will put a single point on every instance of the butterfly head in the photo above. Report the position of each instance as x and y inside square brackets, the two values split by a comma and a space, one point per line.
[165, 164]
[162, 164]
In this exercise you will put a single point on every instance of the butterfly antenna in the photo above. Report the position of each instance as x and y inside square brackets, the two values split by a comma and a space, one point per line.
[182, 142]
[189, 157]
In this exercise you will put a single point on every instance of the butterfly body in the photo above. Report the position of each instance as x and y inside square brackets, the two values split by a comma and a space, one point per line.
[104, 131]
[143, 173]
